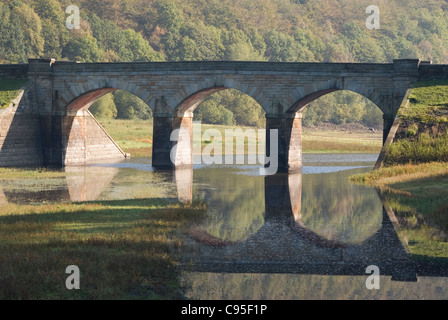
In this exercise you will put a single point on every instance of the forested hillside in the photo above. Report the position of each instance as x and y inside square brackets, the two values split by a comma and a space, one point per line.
[268, 30]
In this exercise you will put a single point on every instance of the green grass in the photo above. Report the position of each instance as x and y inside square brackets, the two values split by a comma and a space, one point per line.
[124, 249]
[9, 89]
[428, 102]
[425, 118]
[387, 176]
[135, 137]
[335, 141]
[424, 149]
[30, 173]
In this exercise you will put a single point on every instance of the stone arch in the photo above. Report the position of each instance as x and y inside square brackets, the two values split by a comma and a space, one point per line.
[302, 96]
[189, 97]
[81, 96]
[83, 139]
[299, 99]
[183, 116]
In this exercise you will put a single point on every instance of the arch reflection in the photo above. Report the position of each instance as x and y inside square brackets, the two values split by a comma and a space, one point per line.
[285, 242]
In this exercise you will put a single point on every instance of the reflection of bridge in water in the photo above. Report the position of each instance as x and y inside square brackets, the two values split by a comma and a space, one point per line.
[81, 183]
[283, 244]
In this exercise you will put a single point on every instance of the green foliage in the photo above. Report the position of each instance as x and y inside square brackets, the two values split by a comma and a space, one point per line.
[83, 49]
[284, 48]
[120, 105]
[342, 107]
[212, 112]
[130, 106]
[422, 150]
[54, 33]
[230, 107]
[12, 41]
[170, 18]
[104, 108]
[126, 45]
[31, 26]
[9, 89]
[412, 130]
[238, 46]
[428, 102]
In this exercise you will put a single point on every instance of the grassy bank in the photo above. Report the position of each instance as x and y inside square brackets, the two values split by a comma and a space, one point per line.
[135, 137]
[428, 102]
[390, 176]
[422, 136]
[125, 249]
[424, 149]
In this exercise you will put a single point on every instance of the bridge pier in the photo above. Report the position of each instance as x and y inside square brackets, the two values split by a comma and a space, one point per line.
[161, 144]
[81, 139]
[283, 197]
[388, 121]
[289, 130]
[170, 132]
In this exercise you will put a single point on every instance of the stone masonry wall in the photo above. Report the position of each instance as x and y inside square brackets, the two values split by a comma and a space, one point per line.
[20, 135]
[86, 140]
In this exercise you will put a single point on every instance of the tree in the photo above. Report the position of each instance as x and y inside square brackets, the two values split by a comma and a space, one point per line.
[239, 47]
[213, 112]
[54, 33]
[360, 44]
[136, 48]
[187, 50]
[122, 45]
[104, 107]
[284, 48]
[280, 47]
[246, 110]
[130, 106]
[31, 26]
[170, 17]
[84, 49]
[12, 43]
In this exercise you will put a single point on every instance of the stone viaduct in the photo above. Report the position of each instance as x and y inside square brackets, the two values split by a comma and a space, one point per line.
[49, 123]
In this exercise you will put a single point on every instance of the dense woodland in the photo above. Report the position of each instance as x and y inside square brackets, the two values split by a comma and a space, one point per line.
[187, 30]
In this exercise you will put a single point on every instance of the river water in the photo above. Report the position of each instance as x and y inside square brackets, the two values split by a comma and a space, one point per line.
[309, 235]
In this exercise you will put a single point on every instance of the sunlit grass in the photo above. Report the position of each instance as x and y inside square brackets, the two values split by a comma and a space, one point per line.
[123, 249]
[427, 99]
[334, 141]
[135, 137]
[27, 173]
[402, 173]
[9, 89]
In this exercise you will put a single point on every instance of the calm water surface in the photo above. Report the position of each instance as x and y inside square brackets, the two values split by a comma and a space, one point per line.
[288, 236]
